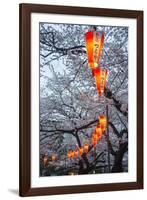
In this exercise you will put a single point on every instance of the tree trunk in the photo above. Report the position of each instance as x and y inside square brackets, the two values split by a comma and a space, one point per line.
[117, 167]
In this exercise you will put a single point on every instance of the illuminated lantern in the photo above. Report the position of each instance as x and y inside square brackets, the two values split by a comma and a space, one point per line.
[94, 139]
[69, 154]
[100, 79]
[53, 157]
[94, 136]
[86, 147]
[72, 154]
[103, 122]
[94, 44]
[45, 160]
[77, 153]
[73, 172]
[94, 143]
[98, 131]
[81, 150]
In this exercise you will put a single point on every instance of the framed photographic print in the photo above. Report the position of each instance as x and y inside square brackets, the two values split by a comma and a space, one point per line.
[81, 99]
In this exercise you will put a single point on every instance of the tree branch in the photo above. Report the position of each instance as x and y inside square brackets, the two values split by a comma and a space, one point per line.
[117, 103]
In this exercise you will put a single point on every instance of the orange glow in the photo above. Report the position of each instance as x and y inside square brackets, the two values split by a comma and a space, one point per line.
[98, 131]
[89, 47]
[94, 44]
[103, 122]
[69, 154]
[72, 154]
[45, 160]
[77, 153]
[100, 78]
[94, 139]
[86, 147]
[81, 150]
[53, 157]
[94, 143]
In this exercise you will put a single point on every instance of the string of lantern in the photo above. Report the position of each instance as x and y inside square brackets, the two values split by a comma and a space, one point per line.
[96, 136]
[94, 44]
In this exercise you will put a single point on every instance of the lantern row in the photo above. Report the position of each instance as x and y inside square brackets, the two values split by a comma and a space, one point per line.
[94, 44]
[96, 136]
[45, 159]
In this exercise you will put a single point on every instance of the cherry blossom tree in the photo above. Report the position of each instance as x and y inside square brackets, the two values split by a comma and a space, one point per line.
[70, 105]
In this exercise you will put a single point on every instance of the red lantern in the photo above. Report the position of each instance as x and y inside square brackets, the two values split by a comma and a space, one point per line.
[94, 44]
[98, 131]
[69, 154]
[45, 160]
[94, 139]
[86, 147]
[103, 122]
[53, 157]
[94, 143]
[81, 150]
[76, 153]
[72, 154]
[100, 78]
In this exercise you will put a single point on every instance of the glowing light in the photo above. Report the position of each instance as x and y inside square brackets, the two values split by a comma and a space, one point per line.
[86, 147]
[100, 79]
[94, 44]
[76, 153]
[69, 154]
[81, 150]
[72, 154]
[53, 157]
[103, 122]
[99, 132]
[45, 160]
[94, 139]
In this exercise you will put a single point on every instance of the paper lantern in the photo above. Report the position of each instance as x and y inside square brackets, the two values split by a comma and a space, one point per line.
[101, 79]
[99, 132]
[45, 160]
[94, 136]
[94, 143]
[72, 154]
[53, 157]
[81, 150]
[73, 172]
[94, 44]
[69, 154]
[103, 122]
[76, 153]
[94, 139]
[86, 147]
